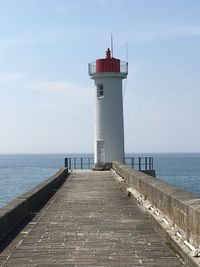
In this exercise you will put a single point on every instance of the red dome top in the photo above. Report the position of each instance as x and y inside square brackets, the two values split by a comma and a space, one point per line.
[108, 64]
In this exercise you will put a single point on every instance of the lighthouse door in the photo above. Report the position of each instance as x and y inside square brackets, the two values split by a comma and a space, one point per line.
[100, 152]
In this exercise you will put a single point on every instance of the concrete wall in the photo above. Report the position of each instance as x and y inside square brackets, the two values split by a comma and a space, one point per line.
[180, 206]
[14, 212]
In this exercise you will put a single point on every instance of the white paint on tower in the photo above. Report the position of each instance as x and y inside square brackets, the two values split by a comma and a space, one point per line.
[109, 126]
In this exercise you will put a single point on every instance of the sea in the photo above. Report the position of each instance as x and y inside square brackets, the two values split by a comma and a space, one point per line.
[20, 173]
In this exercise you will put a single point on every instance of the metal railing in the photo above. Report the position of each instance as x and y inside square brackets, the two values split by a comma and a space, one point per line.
[123, 67]
[138, 163]
[79, 163]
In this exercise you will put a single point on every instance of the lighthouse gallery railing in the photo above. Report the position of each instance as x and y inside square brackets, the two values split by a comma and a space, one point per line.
[123, 67]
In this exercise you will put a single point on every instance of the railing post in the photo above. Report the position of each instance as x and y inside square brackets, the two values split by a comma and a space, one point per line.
[132, 162]
[75, 163]
[139, 164]
[88, 163]
[145, 163]
[81, 163]
[66, 163]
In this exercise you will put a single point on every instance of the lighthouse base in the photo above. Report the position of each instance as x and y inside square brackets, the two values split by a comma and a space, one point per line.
[102, 167]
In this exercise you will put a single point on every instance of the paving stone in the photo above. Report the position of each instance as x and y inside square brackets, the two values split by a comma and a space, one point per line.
[89, 222]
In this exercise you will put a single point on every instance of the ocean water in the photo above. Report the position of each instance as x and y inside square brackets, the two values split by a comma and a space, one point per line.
[181, 170]
[19, 173]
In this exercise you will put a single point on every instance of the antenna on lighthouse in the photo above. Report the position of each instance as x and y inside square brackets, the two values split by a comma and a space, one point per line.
[111, 39]
[126, 51]
[124, 89]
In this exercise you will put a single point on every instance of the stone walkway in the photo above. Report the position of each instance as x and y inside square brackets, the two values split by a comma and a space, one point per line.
[89, 222]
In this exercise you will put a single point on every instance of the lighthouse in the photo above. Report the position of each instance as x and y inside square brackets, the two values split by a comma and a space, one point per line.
[108, 74]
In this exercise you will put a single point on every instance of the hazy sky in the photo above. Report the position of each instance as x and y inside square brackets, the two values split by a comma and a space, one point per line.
[46, 96]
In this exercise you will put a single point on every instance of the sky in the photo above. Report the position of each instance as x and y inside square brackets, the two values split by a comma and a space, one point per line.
[47, 97]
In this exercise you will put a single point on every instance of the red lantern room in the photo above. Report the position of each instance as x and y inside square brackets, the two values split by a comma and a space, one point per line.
[108, 64]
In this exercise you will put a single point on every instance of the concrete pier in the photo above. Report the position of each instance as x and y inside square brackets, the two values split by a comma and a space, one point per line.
[89, 221]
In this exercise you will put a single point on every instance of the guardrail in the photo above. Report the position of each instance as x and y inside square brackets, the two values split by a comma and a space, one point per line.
[123, 68]
[138, 163]
[79, 163]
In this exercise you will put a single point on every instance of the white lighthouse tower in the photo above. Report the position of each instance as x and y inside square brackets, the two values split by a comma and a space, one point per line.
[108, 74]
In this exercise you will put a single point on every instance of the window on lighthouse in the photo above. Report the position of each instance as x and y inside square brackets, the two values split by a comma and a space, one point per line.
[100, 91]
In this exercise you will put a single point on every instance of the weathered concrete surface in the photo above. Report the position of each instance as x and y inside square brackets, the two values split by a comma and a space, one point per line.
[14, 212]
[89, 222]
[180, 206]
